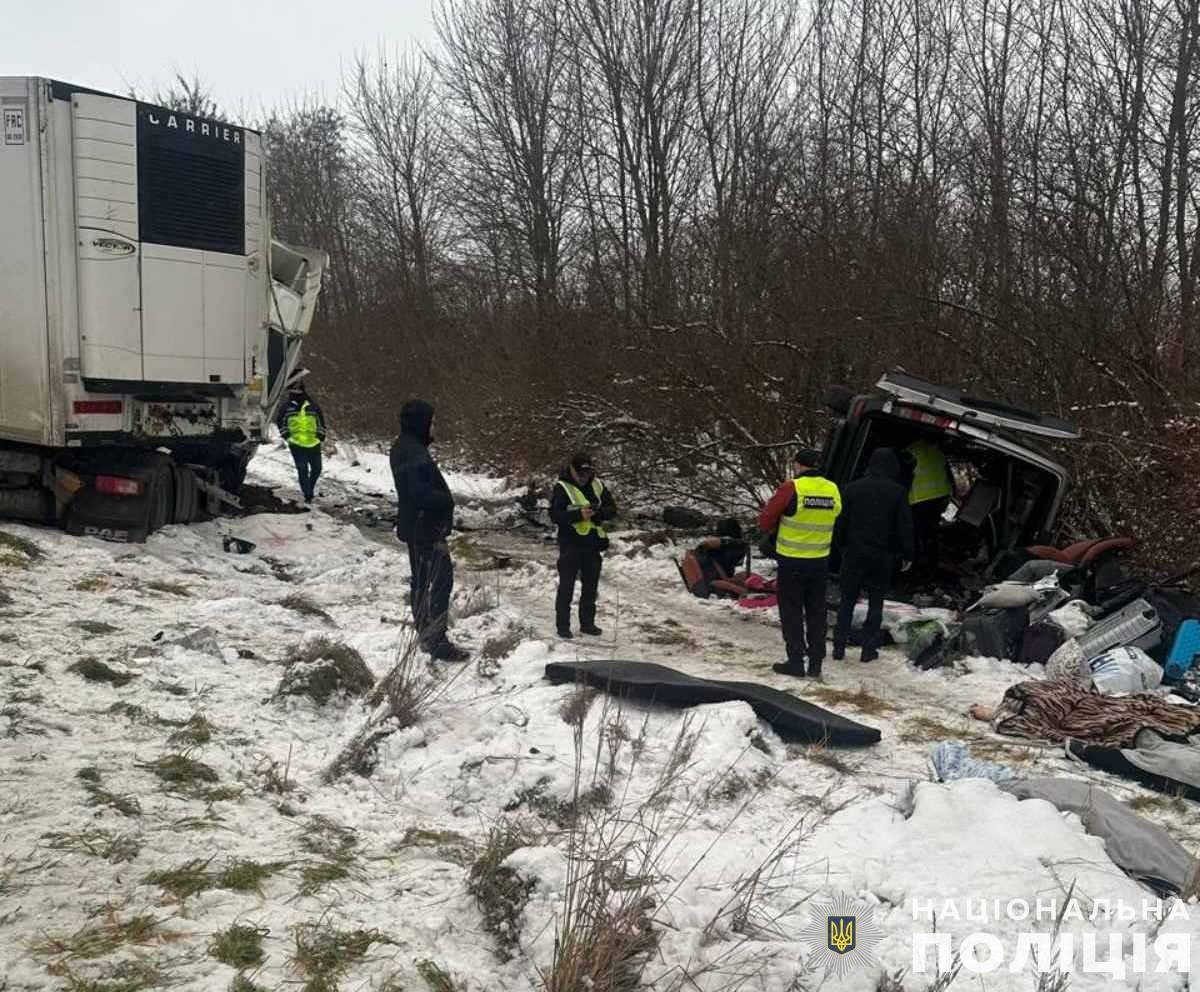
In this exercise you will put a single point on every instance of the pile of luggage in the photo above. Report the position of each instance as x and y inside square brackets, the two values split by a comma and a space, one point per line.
[1084, 615]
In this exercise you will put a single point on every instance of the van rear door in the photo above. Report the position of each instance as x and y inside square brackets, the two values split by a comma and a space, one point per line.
[973, 410]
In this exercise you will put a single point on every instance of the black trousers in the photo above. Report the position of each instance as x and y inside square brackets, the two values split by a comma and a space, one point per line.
[584, 565]
[308, 468]
[432, 582]
[859, 575]
[802, 612]
[927, 519]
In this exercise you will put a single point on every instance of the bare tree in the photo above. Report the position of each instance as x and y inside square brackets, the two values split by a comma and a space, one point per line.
[188, 96]
[403, 160]
[505, 66]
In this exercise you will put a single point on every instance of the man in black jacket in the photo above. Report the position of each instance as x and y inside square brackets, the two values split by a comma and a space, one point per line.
[875, 529]
[424, 517]
[579, 504]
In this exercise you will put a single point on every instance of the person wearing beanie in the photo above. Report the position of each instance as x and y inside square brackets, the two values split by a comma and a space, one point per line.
[580, 504]
[802, 514]
[424, 518]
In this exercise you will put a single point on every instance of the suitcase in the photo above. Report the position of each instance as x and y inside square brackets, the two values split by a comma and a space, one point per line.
[1137, 625]
[1184, 652]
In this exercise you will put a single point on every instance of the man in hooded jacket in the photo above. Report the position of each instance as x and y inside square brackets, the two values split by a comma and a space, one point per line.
[579, 504]
[424, 517]
[874, 530]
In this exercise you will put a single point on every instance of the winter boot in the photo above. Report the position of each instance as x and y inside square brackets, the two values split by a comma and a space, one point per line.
[590, 629]
[565, 633]
[787, 668]
[446, 651]
[839, 652]
[868, 655]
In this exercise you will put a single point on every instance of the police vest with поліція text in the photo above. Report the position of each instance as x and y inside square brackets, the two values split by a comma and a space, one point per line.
[808, 533]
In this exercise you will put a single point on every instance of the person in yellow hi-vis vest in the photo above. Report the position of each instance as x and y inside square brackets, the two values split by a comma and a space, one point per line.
[802, 514]
[303, 427]
[580, 504]
[928, 495]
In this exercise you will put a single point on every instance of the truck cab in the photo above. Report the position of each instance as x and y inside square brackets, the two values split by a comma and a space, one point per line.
[1008, 492]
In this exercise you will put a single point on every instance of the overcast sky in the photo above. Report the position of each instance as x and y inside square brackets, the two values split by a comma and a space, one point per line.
[251, 53]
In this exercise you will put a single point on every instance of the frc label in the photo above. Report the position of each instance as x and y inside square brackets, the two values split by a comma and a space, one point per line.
[14, 125]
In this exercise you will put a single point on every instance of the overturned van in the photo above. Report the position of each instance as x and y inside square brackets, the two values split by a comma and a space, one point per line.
[1008, 493]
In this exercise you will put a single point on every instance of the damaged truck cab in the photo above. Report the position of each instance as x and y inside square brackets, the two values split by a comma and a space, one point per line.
[1008, 493]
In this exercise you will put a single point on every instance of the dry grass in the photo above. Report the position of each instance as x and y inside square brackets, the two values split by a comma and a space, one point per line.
[194, 877]
[195, 732]
[305, 607]
[124, 976]
[861, 699]
[18, 552]
[180, 773]
[168, 588]
[502, 645]
[500, 893]
[926, 730]
[335, 849]
[92, 583]
[95, 627]
[398, 701]
[126, 804]
[435, 976]
[321, 668]
[450, 846]
[99, 938]
[94, 670]
[322, 953]
[96, 841]
[239, 946]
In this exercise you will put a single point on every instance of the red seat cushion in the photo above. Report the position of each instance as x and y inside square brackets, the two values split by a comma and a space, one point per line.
[1081, 552]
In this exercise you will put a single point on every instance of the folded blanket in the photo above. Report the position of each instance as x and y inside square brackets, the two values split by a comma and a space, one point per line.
[1055, 711]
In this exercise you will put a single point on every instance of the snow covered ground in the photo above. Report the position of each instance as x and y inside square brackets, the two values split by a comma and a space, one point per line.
[123, 867]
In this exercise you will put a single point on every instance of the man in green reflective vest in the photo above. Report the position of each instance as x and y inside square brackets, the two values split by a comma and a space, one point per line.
[580, 504]
[928, 495]
[802, 514]
[303, 427]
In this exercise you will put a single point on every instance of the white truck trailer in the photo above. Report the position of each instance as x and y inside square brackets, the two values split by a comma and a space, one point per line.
[148, 321]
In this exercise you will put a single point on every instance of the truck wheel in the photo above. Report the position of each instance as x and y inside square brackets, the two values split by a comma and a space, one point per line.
[162, 495]
[186, 493]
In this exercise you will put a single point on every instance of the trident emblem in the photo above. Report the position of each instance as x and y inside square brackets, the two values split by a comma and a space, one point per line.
[841, 934]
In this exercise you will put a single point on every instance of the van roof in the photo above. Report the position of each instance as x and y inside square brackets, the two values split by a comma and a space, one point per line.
[969, 409]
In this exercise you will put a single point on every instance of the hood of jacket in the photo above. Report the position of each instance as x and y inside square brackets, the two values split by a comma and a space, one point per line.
[884, 464]
[416, 420]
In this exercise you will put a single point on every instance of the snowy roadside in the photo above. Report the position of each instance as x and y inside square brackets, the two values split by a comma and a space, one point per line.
[127, 867]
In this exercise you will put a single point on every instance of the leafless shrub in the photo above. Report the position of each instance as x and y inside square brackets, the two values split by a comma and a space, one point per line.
[400, 699]
[499, 891]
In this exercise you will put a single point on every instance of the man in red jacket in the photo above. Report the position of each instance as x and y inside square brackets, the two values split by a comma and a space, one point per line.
[802, 514]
